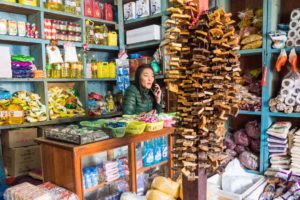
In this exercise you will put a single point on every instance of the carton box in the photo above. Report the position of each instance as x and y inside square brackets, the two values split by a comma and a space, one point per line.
[129, 11]
[19, 137]
[143, 34]
[142, 8]
[21, 160]
[155, 6]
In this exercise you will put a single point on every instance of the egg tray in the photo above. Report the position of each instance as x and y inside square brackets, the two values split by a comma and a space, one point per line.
[75, 137]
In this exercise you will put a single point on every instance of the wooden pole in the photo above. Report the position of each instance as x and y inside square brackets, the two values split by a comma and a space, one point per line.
[195, 190]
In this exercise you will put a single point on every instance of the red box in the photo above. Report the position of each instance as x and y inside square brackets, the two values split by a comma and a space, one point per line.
[96, 7]
[108, 12]
[88, 8]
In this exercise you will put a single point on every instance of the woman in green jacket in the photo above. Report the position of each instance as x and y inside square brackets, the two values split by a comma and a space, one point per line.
[144, 96]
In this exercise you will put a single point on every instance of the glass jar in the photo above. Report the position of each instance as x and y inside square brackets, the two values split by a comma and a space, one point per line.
[71, 36]
[78, 28]
[57, 25]
[59, 35]
[63, 35]
[63, 26]
[78, 37]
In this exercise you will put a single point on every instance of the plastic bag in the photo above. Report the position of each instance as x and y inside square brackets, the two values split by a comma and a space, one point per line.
[58, 193]
[255, 146]
[251, 39]
[70, 53]
[249, 160]
[22, 58]
[166, 185]
[229, 143]
[131, 196]
[253, 45]
[253, 129]
[230, 152]
[158, 195]
[239, 149]
[240, 137]
[54, 55]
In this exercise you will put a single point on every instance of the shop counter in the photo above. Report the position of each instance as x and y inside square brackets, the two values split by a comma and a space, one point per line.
[62, 162]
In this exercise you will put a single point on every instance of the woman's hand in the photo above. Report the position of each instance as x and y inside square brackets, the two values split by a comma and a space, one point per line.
[157, 93]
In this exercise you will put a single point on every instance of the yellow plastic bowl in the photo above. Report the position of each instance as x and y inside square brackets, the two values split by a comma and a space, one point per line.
[135, 127]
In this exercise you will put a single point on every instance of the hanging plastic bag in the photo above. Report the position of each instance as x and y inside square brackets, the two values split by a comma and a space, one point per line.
[54, 55]
[70, 53]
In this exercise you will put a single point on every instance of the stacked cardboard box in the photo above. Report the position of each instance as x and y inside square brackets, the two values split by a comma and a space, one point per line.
[21, 154]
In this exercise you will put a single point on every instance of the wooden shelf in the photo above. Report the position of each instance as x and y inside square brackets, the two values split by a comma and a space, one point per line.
[20, 40]
[142, 45]
[246, 112]
[287, 49]
[280, 114]
[102, 21]
[143, 19]
[101, 47]
[21, 80]
[18, 8]
[60, 15]
[60, 120]
[250, 51]
[65, 79]
[100, 79]
[143, 169]
[96, 187]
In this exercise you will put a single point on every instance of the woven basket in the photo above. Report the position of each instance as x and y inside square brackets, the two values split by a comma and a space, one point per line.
[155, 126]
[135, 127]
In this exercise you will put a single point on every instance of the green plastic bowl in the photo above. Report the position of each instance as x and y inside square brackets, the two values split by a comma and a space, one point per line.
[118, 132]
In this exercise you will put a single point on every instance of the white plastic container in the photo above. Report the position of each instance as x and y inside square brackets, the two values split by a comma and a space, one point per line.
[142, 8]
[214, 188]
[143, 34]
[155, 6]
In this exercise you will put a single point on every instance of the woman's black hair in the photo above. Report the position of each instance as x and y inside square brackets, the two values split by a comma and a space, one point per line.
[137, 79]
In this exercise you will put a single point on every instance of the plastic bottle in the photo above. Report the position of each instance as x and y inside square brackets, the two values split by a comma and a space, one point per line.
[87, 177]
[16, 114]
[65, 70]
[157, 150]
[49, 70]
[94, 176]
[78, 7]
[105, 35]
[105, 70]
[90, 34]
[164, 148]
[94, 66]
[73, 70]
[56, 71]
[112, 69]
[148, 159]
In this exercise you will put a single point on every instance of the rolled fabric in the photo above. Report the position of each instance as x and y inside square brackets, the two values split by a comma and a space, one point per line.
[288, 83]
[290, 43]
[292, 34]
[298, 99]
[290, 101]
[295, 14]
[286, 92]
[297, 42]
[293, 24]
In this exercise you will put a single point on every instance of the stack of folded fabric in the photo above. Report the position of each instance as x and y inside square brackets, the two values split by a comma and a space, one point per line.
[295, 153]
[278, 145]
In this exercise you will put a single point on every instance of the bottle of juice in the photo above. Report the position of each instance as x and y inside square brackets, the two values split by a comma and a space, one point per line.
[94, 66]
[16, 114]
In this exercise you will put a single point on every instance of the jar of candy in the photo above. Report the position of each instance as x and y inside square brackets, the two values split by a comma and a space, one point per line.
[57, 25]
[71, 36]
[63, 35]
[59, 35]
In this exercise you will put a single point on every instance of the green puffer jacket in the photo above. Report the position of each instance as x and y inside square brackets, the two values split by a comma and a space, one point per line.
[133, 103]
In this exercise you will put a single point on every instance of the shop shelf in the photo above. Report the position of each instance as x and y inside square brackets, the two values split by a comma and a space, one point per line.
[102, 21]
[61, 120]
[65, 79]
[104, 48]
[18, 8]
[143, 19]
[246, 112]
[99, 186]
[20, 40]
[21, 80]
[142, 45]
[252, 171]
[280, 114]
[60, 15]
[250, 51]
[100, 79]
[143, 169]
[286, 49]
[61, 43]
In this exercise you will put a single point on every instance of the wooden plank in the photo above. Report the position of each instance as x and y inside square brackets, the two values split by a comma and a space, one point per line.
[77, 174]
[58, 166]
[171, 161]
[195, 190]
[132, 166]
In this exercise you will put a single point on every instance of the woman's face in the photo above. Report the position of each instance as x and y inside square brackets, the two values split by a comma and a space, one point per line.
[147, 78]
